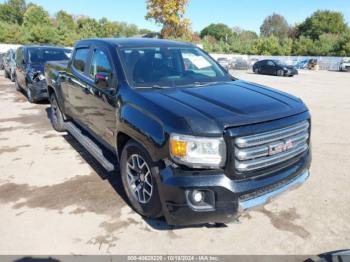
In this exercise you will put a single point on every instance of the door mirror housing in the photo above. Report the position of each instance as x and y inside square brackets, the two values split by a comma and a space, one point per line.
[102, 80]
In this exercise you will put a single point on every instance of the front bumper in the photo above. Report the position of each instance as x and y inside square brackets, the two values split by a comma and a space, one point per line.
[231, 197]
[291, 72]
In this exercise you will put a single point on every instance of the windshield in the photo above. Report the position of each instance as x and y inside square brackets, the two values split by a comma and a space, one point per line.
[42, 55]
[170, 67]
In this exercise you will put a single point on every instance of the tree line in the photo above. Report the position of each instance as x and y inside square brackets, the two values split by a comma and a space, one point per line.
[22, 23]
[322, 33]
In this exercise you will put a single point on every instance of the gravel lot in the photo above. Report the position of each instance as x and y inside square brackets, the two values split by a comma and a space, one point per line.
[55, 199]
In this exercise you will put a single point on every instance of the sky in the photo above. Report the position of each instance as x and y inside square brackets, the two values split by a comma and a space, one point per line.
[248, 14]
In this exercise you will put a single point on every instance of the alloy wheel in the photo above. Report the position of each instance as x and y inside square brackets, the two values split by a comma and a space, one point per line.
[139, 178]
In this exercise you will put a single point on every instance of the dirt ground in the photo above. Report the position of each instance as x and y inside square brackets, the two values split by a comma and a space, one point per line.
[55, 199]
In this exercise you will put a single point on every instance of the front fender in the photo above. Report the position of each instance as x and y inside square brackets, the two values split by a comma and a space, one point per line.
[144, 128]
[53, 81]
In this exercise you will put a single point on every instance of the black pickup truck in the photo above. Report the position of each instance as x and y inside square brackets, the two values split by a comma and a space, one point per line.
[193, 143]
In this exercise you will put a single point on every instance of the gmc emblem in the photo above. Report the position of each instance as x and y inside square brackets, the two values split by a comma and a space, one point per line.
[280, 147]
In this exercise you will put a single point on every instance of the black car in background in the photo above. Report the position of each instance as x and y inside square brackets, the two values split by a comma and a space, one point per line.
[10, 64]
[274, 67]
[30, 62]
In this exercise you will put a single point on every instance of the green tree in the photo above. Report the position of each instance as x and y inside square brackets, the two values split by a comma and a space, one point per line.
[326, 45]
[36, 15]
[63, 19]
[322, 22]
[170, 14]
[65, 29]
[267, 46]
[12, 11]
[41, 34]
[275, 25]
[10, 33]
[246, 35]
[88, 27]
[108, 28]
[286, 46]
[343, 47]
[218, 31]
[303, 46]
[128, 30]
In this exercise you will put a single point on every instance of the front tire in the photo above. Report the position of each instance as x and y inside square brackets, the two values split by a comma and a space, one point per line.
[12, 77]
[30, 97]
[139, 176]
[56, 115]
[280, 73]
[18, 87]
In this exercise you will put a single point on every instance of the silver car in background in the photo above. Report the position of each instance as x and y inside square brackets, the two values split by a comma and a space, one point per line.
[10, 64]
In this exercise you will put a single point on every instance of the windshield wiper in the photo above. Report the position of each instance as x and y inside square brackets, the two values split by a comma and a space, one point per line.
[152, 87]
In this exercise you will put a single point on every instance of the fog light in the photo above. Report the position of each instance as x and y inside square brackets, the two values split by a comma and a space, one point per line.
[197, 196]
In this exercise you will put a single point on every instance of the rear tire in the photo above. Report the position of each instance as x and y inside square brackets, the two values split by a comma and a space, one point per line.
[56, 115]
[256, 71]
[7, 75]
[139, 176]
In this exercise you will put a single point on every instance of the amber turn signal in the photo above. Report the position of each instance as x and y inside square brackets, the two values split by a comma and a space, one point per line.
[178, 148]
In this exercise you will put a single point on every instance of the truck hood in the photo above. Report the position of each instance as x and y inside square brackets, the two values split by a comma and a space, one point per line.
[211, 109]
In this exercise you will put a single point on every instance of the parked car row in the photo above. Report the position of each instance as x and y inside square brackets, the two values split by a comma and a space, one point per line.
[271, 66]
[9, 64]
[266, 66]
[193, 143]
[25, 66]
[30, 62]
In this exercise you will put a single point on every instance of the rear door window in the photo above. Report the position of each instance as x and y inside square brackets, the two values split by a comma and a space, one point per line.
[80, 59]
[19, 57]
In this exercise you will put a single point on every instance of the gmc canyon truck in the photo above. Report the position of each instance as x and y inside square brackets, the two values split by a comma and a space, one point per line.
[192, 143]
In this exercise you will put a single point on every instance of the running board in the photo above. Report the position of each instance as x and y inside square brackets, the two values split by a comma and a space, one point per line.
[89, 145]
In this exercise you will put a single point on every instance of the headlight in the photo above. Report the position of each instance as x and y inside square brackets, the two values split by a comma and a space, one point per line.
[198, 152]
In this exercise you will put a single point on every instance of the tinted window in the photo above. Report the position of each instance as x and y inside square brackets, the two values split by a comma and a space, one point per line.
[80, 59]
[42, 55]
[19, 56]
[170, 67]
[100, 64]
[270, 63]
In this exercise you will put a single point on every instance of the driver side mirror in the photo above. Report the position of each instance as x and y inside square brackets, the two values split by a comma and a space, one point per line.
[102, 80]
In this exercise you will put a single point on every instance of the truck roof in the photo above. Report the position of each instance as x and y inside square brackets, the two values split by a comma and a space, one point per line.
[136, 42]
[44, 46]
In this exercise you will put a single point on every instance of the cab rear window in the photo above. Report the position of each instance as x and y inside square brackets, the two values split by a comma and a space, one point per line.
[80, 59]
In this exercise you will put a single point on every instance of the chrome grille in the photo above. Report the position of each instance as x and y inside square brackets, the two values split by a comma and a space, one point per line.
[266, 149]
